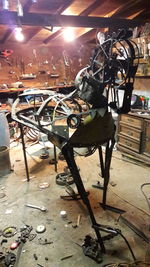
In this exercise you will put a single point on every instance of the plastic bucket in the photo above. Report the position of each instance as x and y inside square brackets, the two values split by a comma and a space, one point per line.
[5, 165]
[4, 130]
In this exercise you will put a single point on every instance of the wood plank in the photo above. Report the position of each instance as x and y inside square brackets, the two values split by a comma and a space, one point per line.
[59, 11]
[127, 6]
[92, 7]
[144, 14]
[27, 6]
[31, 35]
[64, 7]
[131, 8]
[88, 36]
[33, 19]
[85, 12]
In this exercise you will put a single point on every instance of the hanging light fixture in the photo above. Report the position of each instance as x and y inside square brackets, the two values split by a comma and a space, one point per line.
[68, 34]
[18, 34]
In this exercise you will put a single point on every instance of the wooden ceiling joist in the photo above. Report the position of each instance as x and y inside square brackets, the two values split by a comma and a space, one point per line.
[91, 8]
[131, 7]
[144, 14]
[41, 20]
[59, 11]
[64, 7]
[53, 36]
[33, 33]
[127, 6]
[27, 6]
[85, 12]
[7, 34]
[90, 35]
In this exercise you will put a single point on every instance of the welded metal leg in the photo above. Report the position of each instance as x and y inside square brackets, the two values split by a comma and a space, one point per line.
[108, 156]
[101, 161]
[69, 157]
[24, 152]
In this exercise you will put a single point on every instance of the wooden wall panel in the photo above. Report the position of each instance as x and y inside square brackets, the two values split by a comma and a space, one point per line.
[43, 61]
[142, 84]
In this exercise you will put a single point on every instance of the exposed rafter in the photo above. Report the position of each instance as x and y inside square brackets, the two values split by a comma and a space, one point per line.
[90, 35]
[41, 20]
[33, 33]
[85, 12]
[91, 8]
[59, 11]
[27, 6]
[144, 14]
[7, 34]
[64, 6]
[131, 8]
[127, 6]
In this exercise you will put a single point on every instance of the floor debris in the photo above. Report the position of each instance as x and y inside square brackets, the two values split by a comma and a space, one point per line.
[44, 185]
[40, 229]
[66, 257]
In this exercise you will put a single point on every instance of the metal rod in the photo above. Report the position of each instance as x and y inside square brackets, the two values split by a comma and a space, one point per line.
[108, 156]
[101, 161]
[24, 152]
[69, 157]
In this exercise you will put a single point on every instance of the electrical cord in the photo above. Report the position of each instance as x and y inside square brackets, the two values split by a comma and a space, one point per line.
[129, 247]
[147, 200]
[115, 231]
[144, 211]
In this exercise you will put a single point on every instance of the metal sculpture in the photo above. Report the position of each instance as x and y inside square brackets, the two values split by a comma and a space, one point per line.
[112, 69]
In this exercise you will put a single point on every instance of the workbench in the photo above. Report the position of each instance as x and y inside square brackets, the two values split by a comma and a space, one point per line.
[13, 92]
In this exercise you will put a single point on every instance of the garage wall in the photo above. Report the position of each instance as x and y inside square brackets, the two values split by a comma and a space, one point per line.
[43, 62]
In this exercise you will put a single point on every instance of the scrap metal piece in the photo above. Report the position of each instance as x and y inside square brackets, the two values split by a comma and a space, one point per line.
[64, 178]
[9, 231]
[31, 236]
[92, 249]
[45, 241]
[42, 208]
[2, 256]
[114, 209]
[10, 259]
[44, 185]
[135, 229]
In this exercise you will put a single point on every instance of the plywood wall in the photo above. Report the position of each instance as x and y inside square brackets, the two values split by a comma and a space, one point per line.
[43, 62]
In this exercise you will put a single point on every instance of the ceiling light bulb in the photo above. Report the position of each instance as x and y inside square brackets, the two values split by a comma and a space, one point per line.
[68, 34]
[5, 4]
[19, 35]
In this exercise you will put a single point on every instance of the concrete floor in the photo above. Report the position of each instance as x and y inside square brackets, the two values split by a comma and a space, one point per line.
[126, 179]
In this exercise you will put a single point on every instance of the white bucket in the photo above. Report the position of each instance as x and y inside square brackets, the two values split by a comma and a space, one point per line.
[4, 130]
[5, 165]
